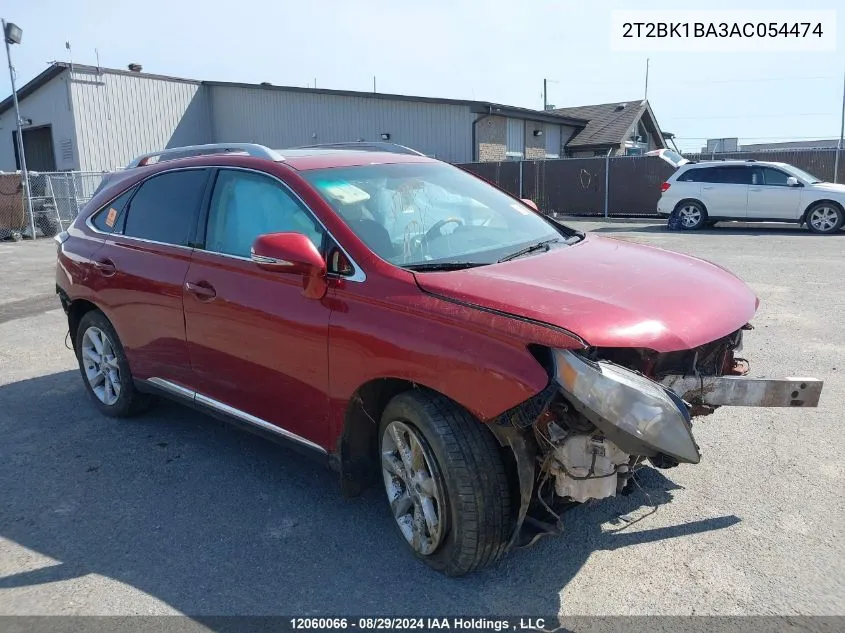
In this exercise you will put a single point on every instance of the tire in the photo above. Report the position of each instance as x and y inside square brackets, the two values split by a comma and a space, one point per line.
[48, 226]
[824, 218]
[691, 215]
[123, 399]
[468, 488]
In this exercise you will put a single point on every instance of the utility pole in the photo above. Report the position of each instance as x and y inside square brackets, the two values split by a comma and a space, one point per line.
[11, 35]
[545, 94]
[646, 79]
[374, 83]
[841, 135]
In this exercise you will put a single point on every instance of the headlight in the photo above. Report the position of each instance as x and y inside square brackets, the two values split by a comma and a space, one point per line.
[635, 413]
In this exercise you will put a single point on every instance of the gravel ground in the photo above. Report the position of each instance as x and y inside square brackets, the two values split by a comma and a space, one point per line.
[175, 512]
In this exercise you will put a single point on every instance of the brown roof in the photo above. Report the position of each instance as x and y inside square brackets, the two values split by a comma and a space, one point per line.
[609, 123]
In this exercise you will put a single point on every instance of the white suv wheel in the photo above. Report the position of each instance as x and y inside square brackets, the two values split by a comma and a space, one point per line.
[824, 218]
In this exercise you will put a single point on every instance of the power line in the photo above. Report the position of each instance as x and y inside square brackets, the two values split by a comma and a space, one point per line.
[710, 81]
[818, 137]
[750, 116]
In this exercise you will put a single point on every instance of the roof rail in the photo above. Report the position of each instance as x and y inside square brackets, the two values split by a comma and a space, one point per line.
[251, 149]
[365, 146]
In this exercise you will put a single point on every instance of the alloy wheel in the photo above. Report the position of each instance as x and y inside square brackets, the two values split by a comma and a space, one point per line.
[413, 487]
[100, 364]
[824, 219]
[690, 215]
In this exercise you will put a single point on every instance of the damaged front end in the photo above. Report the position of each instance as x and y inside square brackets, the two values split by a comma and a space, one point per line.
[606, 411]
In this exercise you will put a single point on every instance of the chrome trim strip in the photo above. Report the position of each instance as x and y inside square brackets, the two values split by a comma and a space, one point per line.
[263, 259]
[198, 398]
[251, 419]
[172, 387]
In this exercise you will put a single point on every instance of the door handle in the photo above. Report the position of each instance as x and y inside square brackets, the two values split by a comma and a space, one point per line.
[755, 189]
[203, 290]
[105, 266]
[707, 188]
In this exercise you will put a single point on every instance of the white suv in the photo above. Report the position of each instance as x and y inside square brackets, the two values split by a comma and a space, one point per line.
[701, 194]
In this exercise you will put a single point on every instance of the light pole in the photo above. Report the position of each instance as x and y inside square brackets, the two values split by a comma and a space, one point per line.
[841, 136]
[12, 35]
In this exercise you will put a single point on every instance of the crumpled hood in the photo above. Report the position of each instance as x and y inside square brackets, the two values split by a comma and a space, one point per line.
[609, 292]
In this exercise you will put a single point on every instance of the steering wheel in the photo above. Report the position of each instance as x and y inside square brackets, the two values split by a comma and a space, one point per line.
[434, 231]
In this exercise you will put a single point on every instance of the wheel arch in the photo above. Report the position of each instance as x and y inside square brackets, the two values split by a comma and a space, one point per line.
[75, 310]
[817, 202]
[690, 199]
[356, 454]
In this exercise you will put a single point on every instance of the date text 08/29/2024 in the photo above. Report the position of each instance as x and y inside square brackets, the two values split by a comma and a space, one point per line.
[417, 623]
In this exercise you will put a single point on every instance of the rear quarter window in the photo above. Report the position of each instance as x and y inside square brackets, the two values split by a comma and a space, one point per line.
[110, 218]
[690, 175]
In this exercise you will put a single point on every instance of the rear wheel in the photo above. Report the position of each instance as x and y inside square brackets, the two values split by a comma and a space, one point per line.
[691, 215]
[445, 482]
[104, 368]
[825, 217]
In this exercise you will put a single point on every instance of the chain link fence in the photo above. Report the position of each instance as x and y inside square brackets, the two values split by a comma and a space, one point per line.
[57, 198]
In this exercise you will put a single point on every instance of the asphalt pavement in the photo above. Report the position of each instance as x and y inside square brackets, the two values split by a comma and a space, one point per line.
[175, 512]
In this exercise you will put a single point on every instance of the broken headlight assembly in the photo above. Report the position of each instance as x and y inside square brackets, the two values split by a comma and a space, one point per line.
[638, 415]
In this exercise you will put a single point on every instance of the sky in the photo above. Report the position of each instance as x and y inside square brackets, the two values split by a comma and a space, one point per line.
[487, 50]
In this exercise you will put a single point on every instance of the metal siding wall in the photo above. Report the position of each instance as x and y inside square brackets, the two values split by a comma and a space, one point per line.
[121, 116]
[282, 119]
[49, 105]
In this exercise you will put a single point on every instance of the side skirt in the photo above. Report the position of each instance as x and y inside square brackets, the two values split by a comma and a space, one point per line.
[235, 417]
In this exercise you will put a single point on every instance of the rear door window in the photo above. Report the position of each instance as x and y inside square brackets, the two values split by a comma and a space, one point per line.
[701, 174]
[166, 206]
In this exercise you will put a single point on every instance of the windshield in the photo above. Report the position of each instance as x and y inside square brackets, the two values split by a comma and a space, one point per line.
[413, 214]
[799, 173]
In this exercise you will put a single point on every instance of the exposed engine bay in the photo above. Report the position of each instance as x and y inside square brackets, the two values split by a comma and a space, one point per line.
[607, 411]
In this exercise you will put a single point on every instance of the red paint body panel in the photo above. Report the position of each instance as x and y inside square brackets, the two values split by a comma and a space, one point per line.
[260, 345]
[611, 293]
[389, 329]
[144, 296]
[342, 158]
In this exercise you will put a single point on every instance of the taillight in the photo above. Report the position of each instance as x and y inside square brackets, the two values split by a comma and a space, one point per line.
[664, 187]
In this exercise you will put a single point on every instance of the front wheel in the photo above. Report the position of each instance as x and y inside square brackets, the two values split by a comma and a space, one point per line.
[825, 217]
[445, 481]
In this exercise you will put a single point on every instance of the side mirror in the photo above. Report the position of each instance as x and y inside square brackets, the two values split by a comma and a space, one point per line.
[792, 181]
[295, 254]
[530, 203]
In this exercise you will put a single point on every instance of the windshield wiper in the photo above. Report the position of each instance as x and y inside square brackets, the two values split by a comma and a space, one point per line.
[545, 245]
[441, 266]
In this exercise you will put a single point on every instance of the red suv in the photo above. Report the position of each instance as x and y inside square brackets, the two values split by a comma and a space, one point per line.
[410, 323]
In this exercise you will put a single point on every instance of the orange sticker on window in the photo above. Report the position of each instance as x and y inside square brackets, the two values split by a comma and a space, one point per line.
[111, 217]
